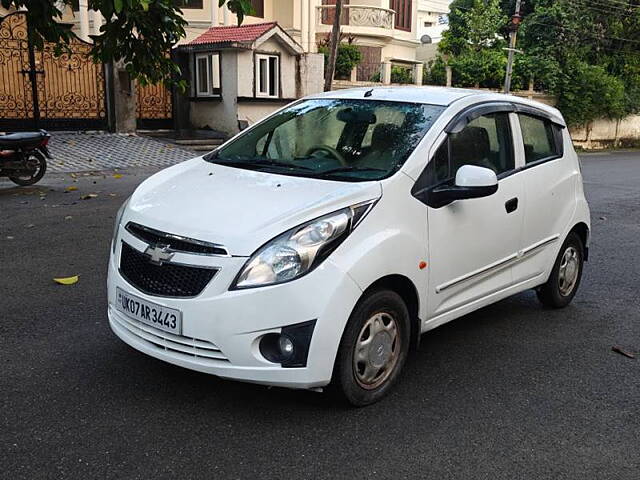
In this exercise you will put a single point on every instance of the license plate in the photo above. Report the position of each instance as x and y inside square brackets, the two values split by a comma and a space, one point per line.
[158, 316]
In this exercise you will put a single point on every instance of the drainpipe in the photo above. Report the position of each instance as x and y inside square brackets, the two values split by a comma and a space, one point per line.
[214, 12]
[311, 31]
[83, 14]
[226, 15]
[304, 25]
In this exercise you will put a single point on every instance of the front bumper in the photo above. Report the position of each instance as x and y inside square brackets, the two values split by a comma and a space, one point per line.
[222, 329]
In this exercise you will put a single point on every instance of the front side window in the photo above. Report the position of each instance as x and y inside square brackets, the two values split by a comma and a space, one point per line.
[539, 137]
[337, 139]
[207, 74]
[267, 76]
[485, 142]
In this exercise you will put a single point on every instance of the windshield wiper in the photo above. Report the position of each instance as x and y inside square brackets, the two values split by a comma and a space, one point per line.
[256, 162]
[351, 169]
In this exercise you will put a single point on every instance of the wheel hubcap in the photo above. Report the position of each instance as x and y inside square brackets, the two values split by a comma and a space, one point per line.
[376, 352]
[568, 273]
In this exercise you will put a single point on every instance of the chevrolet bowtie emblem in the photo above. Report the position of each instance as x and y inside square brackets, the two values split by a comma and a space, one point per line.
[158, 254]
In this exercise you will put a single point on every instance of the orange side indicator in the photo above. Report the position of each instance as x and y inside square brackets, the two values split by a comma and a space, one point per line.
[422, 265]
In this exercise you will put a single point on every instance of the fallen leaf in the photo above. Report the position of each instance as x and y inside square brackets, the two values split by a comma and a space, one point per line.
[66, 280]
[117, 175]
[68, 217]
[9, 237]
[89, 196]
[31, 225]
[72, 188]
[622, 352]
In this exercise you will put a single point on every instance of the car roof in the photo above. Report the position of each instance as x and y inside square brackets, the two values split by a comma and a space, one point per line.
[432, 95]
[442, 96]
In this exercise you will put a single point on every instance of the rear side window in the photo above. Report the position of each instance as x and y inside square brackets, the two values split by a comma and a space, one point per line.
[542, 140]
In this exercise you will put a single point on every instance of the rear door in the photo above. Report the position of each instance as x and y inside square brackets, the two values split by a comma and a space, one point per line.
[549, 189]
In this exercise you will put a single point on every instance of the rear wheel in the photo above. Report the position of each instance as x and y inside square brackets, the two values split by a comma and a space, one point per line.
[35, 168]
[373, 348]
[566, 274]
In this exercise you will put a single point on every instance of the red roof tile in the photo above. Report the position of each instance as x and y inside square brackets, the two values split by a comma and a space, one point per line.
[243, 33]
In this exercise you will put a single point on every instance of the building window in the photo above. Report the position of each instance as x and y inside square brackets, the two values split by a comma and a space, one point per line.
[258, 7]
[188, 4]
[403, 9]
[267, 76]
[207, 75]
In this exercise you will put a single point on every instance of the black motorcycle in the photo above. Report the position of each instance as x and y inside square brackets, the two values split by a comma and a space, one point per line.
[22, 156]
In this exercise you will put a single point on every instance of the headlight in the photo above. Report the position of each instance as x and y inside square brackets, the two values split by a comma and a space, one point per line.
[116, 226]
[301, 249]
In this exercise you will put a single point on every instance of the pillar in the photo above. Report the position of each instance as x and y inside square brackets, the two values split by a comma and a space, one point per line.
[418, 70]
[386, 73]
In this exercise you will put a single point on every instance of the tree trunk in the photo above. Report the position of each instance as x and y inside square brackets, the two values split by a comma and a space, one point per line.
[333, 47]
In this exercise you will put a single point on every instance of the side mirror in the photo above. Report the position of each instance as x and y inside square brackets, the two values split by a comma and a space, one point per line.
[471, 182]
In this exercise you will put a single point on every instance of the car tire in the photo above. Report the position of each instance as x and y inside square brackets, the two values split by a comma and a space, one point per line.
[373, 348]
[565, 276]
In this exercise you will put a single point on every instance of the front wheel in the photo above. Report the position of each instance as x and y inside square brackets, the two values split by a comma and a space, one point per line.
[35, 168]
[566, 274]
[373, 348]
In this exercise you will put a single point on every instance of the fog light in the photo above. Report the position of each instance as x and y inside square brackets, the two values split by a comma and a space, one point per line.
[289, 348]
[286, 346]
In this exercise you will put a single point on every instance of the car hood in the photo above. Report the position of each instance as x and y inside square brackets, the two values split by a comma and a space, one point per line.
[240, 209]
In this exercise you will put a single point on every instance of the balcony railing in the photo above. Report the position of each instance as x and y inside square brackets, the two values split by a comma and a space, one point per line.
[357, 16]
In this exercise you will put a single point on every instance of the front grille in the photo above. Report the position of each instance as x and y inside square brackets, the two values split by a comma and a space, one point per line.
[175, 242]
[166, 280]
[168, 341]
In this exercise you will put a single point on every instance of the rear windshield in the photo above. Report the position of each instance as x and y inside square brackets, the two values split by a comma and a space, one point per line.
[336, 139]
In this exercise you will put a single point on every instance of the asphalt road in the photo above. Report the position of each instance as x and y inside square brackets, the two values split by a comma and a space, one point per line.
[511, 391]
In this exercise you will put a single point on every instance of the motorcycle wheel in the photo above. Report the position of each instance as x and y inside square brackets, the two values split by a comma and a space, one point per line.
[36, 168]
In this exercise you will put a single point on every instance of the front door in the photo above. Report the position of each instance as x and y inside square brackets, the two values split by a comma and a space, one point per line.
[473, 242]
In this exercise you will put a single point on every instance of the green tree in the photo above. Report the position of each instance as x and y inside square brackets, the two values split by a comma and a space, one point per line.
[473, 26]
[137, 32]
[587, 54]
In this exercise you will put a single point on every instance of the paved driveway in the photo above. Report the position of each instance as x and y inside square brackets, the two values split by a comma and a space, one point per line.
[79, 152]
[511, 391]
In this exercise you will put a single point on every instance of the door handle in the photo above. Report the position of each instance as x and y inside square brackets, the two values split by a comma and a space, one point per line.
[511, 205]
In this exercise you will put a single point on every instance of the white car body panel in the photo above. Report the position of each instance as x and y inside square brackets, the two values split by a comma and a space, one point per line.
[475, 252]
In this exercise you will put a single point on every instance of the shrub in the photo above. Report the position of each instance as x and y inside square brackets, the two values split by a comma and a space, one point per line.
[435, 72]
[589, 92]
[349, 56]
[401, 75]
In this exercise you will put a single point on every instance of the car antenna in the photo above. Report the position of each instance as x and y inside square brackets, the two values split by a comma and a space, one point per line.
[368, 93]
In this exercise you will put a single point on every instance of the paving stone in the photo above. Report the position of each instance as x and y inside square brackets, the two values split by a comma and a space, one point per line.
[82, 151]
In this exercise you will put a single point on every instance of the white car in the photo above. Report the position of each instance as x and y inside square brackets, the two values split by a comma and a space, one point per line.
[315, 247]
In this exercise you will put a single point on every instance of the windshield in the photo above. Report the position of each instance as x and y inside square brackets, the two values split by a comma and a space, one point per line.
[337, 139]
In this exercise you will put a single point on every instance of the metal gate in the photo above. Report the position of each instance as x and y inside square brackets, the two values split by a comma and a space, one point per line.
[154, 107]
[41, 90]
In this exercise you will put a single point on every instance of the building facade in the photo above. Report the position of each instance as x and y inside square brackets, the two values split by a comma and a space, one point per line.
[254, 77]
